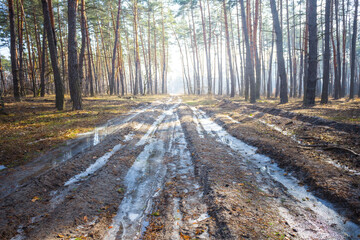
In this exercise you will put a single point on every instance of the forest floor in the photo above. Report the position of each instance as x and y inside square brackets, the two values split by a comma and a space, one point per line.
[194, 168]
[33, 126]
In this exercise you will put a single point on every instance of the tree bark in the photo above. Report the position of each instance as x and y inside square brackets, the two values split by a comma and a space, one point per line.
[43, 65]
[289, 50]
[232, 76]
[163, 84]
[313, 42]
[353, 51]
[89, 60]
[150, 84]
[59, 89]
[83, 42]
[326, 58]
[138, 80]
[338, 57]
[21, 50]
[269, 83]
[280, 55]
[62, 49]
[14, 67]
[112, 78]
[28, 44]
[74, 80]
[208, 61]
[2, 89]
[249, 62]
[155, 57]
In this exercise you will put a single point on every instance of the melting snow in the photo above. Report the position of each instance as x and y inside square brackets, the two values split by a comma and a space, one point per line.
[324, 210]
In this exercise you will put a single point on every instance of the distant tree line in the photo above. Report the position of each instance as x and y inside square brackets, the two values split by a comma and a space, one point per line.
[85, 48]
[228, 48]
[253, 49]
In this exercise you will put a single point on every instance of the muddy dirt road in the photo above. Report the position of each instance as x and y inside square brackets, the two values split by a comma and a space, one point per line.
[169, 171]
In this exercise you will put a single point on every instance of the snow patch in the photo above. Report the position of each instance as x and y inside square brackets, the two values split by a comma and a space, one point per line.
[100, 162]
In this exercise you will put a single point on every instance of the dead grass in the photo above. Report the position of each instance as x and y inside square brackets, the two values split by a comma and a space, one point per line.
[341, 110]
[34, 125]
[194, 100]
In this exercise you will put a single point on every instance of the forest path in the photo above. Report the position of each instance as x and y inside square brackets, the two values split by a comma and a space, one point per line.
[168, 171]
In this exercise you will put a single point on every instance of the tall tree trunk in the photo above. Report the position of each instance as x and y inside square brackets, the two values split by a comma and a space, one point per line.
[43, 65]
[220, 77]
[142, 43]
[338, 56]
[155, 57]
[207, 50]
[313, 42]
[241, 90]
[163, 84]
[343, 84]
[61, 48]
[249, 62]
[302, 53]
[74, 80]
[188, 69]
[83, 42]
[91, 81]
[326, 58]
[59, 89]
[28, 44]
[353, 51]
[294, 53]
[138, 80]
[14, 67]
[105, 56]
[232, 76]
[38, 44]
[21, 50]
[289, 49]
[270, 69]
[150, 84]
[256, 50]
[2, 89]
[280, 55]
[195, 54]
[112, 78]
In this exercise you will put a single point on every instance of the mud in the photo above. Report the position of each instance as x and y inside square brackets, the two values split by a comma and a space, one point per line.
[332, 173]
[169, 171]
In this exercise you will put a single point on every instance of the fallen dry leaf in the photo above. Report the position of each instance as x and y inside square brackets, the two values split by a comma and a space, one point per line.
[35, 199]
[185, 237]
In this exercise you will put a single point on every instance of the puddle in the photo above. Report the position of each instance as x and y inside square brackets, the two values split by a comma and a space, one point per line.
[142, 183]
[328, 224]
[154, 126]
[198, 126]
[187, 186]
[178, 219]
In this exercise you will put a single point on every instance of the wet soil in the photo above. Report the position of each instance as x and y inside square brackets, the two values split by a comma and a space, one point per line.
[171, 171]
[321, 153]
